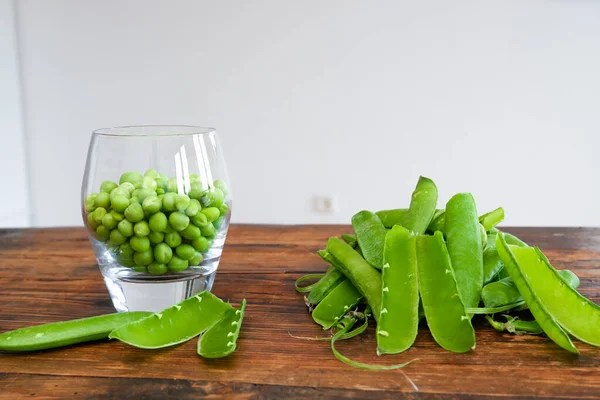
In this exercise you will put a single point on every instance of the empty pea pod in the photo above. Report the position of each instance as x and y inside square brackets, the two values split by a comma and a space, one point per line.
[58, 334]
[399, 318]
[389, 218]
[350, 239]
[576, 314]
[464, 247]
[220, 340]
[538, 309]
[445, 312]
[422, 206]
[491, 219]
[364, 277]
[172, 325]
[370, 234]
[336, 304]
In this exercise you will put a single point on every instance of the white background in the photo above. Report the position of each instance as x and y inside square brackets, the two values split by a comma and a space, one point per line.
[345, 99]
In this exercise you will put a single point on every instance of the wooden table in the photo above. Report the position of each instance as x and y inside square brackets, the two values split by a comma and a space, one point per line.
[50, 275]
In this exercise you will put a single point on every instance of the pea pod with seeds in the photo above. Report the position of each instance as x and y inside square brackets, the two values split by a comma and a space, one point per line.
[399, 318]
[445, 312]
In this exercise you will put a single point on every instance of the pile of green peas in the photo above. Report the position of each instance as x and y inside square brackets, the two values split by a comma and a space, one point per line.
[152, 228]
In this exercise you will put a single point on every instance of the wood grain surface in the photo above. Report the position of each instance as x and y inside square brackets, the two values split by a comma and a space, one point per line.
[49, 275]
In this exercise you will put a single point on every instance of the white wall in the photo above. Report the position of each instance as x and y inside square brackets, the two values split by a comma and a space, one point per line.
[351, 99]
[14, 199]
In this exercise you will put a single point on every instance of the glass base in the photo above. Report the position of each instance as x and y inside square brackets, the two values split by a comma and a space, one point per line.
[155, 295]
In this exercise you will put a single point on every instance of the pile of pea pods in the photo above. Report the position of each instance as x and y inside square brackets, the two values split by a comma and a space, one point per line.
[444, 266]
[150, 226]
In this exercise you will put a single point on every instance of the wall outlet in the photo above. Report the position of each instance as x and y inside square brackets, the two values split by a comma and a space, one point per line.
[324, 204]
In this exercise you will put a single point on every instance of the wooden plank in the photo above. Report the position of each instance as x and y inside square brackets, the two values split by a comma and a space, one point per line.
[43, 281]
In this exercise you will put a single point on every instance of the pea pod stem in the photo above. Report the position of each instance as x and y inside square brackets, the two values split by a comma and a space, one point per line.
[515, 325]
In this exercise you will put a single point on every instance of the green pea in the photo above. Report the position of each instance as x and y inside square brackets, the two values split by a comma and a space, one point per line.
[134, 200]
[145, 193]
[219, 222]
[120, 203]
[185, 251]
[168, 229]
[197, 193]
[124, 255]
[117, 237]
[195, 178]
[90, 202]
[196, 259]
[156, 237]
[179, 221]
[126, 250]
[182, 202]
[214, 197]
[151, 204]
[172, 185]
[199, 220]
[109, 222]
[117, 216]
[140, 268]
[163, 253]
[212, 213]
[221, 185]
[102, 233]
[160, 191]
[141, 229]
[177, 264]
[143, 257]
[98, 214]
[139, 244]
[162, 182]
[208, 230]
[135, 178]
[152, 173]
[127, 186]
[168, 201]
[200, 244]
[134, 212]
[157, 269]
[158, 222]
[223, 209]
[173, 239]
[102, 200]
[191, 232]
[193, 208]
[108, 186]
[92, 224]
[125, 227]
[149, 183]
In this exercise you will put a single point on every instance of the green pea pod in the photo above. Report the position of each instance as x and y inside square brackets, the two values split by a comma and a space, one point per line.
[326, 284]
[422, 206]
[464, 247]
[504, 291]
[370, 234]
[64, 333]
[220, 340]
[576, 314]
[438, 223]
[351, 240]
[483, 235]
[537, 307]
[513, 240]
[365, 278]
[399, 318]
[445, 312]
[491, 219]
[172, 325]
[336, 304]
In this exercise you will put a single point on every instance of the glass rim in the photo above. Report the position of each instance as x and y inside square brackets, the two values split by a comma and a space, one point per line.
[154, 130]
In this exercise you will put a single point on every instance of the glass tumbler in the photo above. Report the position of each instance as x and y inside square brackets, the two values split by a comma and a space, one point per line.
[156, 203]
